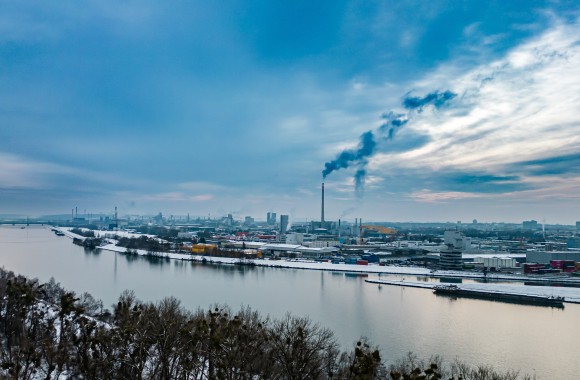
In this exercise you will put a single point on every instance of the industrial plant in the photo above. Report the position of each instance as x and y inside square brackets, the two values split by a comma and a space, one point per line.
[528, 248]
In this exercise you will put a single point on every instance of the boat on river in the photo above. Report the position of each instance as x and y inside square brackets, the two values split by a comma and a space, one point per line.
[528, 299]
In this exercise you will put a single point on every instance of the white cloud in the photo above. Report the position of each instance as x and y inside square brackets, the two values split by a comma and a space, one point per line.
[521, 107]
[176, 196]
[429, 196]
[19, 172]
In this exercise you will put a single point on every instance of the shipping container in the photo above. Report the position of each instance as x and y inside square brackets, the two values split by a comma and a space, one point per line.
[362, 262]
[533, 268]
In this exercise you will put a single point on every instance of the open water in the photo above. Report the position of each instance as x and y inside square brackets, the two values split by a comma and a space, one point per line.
[537, 340]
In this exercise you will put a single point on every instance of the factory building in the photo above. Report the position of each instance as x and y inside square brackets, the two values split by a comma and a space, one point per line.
[545, 257]
[495, 262]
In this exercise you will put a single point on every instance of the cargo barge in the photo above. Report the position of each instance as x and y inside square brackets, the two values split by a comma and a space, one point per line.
[455, 291]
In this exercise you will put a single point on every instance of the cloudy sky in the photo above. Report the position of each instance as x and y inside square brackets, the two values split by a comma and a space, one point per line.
[414, 110]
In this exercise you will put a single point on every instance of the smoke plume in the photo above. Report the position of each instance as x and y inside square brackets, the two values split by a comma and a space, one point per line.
[366, 148]
[392, 122]
[359, 180]
[436, 99]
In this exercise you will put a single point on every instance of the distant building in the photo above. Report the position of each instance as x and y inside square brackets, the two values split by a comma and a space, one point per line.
[283, 223]
[294, 238]
[451, 258]
[573, 243]
[530, 225]
[248, 220]
[495, 262]
[578, 226]
[456, 240]
[543, 257]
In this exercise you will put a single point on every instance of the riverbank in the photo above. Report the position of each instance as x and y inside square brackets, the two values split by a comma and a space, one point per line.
[570, 294]
[342, 267]
[397, 319]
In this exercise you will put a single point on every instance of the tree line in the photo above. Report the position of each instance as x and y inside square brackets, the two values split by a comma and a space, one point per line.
[47, 332]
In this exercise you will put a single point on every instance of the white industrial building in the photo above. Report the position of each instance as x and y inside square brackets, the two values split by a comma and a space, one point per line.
[457, 240]
[495, 262]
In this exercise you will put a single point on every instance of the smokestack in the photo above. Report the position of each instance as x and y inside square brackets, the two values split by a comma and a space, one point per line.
[339, 229]
[322, 211]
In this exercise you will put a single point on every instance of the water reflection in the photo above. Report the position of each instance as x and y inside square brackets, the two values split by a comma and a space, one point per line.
[398, 319]
[452, 280]
[89, 251]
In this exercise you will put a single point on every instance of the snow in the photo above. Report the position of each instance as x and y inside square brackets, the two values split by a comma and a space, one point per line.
[569, 293]
[67, 233]
[369, 269]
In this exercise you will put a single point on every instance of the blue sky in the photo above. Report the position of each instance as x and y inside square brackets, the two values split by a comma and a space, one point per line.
[236, 107]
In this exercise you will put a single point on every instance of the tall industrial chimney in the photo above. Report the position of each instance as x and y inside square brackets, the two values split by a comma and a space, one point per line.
[322, 212]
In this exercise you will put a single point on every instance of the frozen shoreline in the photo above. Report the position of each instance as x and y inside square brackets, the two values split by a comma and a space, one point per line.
[347, 268]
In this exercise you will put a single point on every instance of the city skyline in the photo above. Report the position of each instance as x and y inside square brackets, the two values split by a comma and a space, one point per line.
[414, 111]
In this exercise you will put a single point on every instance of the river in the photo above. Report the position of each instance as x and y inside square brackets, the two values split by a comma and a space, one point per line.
[537, 340]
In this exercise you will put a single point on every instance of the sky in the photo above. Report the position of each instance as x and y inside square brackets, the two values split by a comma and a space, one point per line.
[413, 110]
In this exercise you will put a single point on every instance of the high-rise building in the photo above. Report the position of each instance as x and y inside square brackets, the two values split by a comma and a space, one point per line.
[271, 218]
[283, 223]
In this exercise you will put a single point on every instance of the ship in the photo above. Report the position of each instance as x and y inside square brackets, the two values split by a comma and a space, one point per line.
[528, 299]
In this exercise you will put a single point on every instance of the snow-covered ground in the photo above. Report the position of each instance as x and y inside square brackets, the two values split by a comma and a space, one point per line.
[67, 233]
[342, 267]
[370, 269]
[103, 234]
[571, 295]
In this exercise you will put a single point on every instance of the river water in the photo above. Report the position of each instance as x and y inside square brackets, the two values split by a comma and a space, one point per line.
[536, 340]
